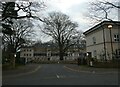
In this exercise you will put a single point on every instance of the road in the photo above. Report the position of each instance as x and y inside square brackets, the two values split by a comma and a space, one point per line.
[0, 75]
[57, 74]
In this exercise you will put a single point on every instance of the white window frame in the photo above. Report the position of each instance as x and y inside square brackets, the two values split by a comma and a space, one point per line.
[94, 40]
[116, 37]
[95, 53]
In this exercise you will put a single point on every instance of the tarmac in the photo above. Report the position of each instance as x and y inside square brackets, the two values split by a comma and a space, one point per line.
[22, 70]
[31, 68]
[88, 69]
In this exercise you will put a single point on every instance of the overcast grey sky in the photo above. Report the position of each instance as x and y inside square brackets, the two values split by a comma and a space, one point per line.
[75, 9]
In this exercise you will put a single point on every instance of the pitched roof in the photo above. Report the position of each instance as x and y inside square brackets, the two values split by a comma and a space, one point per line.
[27, 47]
[44, 45]
[99, 25]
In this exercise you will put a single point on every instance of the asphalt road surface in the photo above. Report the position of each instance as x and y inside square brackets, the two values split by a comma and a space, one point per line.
[57, 74]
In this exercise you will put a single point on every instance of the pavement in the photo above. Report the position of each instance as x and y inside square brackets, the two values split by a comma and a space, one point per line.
[0, 75]
[0, 65]
[88, 69]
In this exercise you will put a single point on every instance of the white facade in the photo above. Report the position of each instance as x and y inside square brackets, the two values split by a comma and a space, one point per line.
[103, 42]
[49, 51]
[27, 53]
[43, 54]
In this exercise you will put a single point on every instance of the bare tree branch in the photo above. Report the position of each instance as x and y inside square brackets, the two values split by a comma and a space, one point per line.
[101, 10]
[60, 28]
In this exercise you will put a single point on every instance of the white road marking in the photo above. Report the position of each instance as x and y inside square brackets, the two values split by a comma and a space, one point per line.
[116, 72]
[30, 72]
[93, 72]
[58, 76]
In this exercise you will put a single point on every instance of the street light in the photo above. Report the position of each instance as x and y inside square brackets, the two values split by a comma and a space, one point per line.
[48, 52]
[15, 55]
[110, 27]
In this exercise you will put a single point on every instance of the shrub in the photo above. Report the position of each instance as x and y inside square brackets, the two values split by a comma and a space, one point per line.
[106, 64]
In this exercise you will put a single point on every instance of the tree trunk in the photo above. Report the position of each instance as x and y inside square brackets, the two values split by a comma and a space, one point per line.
[61, 51]
[12, 60]
[12, 57]
[61, 55]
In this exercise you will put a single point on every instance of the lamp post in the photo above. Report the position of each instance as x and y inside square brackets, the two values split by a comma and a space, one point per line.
[48, 52]
[110, 27]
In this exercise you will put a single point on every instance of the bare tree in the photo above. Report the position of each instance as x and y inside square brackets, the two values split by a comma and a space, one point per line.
[78, 40]
[21, 33]
[13, 38]
[101, 10]
[29, 9]
[19, 10]
[61, 29]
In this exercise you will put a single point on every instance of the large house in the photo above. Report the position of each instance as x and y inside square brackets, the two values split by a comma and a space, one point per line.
[103, 40]
[49, 51]
[27, 53]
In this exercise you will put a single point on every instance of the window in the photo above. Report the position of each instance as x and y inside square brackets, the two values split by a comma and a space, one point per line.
[95, 53]
[116, 37]
[24, 54]
[94, 40]
[73, 54]
[29, 54]
[117, 53]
